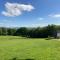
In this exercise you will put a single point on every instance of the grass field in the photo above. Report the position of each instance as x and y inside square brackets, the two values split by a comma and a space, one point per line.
[25, 48]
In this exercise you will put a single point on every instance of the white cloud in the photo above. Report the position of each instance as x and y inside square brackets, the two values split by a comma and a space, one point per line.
[40, 18]
[15, 9]
[55, 16]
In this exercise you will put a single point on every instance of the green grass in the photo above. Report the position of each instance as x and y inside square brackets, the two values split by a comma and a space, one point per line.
[25, 48]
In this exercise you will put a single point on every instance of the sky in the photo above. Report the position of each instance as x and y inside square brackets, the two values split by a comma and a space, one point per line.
[29, 13]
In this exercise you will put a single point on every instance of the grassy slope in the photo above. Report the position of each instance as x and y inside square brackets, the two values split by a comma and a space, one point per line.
[22, 48]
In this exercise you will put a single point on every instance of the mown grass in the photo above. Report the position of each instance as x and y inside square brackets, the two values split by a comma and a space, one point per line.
[19, 48]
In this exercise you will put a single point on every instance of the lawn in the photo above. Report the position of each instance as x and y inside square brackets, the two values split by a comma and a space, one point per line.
[19, 48]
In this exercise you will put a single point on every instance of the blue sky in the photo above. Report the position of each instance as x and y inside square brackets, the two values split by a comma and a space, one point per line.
[40, 13]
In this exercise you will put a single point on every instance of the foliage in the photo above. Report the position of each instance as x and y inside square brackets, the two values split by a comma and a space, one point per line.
[7, 31]
[39, 32]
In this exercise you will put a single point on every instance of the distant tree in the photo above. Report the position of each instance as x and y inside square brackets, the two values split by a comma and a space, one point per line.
[39, 32]
[51, 30]
[11, 31]
[0, 31]
[4, 31]
[22, 31]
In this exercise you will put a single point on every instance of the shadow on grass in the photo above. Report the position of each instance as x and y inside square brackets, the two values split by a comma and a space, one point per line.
[20, 59]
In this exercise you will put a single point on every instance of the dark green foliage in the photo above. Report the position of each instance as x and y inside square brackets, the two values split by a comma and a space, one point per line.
[22, 31]
[43, 32]
[4, 31]
[11, 31]
[51, 30]
[7, 31]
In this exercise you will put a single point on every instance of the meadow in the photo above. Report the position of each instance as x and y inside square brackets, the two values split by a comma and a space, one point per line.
[21, 48]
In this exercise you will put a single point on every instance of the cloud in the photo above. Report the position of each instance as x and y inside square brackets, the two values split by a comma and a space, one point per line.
[40, 18]
[15, 9]
[55, 16]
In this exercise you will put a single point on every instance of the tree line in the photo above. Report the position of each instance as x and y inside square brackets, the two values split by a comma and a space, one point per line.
[37, 32]
[7, 31]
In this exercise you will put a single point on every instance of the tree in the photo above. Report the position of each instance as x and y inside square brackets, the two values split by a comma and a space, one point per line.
[51, 30]
[4, 31]
[11, 31]
[21, 31]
